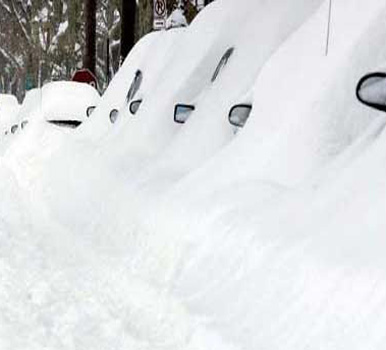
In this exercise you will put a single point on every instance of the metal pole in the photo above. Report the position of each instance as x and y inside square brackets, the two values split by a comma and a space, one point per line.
[328, 27]
[108, 59]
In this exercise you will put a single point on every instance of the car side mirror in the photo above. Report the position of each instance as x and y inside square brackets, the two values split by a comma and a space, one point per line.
[114, 116]
[90, 110]
[239, 114]
[134, 106]
[371, 90]
[14, 128]
[24, 123]
[182, 113]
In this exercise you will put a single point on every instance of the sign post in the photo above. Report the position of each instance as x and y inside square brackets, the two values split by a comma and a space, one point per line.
[160, 14]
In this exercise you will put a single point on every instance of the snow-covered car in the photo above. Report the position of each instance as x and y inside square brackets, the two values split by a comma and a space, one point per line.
[68, 104]
[134, 79]
[371, 90]
[161, 44]
[29, 109]
[238, 114]
[131, 93]
[182, 111]
[8, 101]
[9, 108]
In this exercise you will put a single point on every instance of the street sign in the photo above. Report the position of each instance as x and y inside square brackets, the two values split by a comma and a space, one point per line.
[160, 14]
[85, 76]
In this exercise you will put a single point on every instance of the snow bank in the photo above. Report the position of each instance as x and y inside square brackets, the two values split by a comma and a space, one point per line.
[284, 227]
[133, 144]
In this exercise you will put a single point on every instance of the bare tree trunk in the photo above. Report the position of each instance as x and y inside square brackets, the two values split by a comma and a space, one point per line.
[89, 60]
[129, 8]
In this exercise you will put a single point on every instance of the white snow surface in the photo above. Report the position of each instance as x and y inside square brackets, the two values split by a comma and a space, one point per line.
[67, 100]
[146, 234]
[9, 107]
[176, 19]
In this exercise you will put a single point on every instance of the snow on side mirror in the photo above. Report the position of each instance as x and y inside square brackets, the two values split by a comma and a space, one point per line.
[371, 90]
[239, 114]
[23, 124]
[14, 128]
[90, 110]
[114, 116]
[134, 106]
[182, 113]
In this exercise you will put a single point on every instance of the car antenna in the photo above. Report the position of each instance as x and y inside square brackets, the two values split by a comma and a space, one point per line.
[328, 26]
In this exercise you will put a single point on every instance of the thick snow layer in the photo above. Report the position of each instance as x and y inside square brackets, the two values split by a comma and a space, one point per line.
[29, 110]
[318, 111]
[9, 108]
[148, 55]
[64, 100]
[176, 19]
[7, 99]
[146, 234]
[133, 142]
[31, 105]
[272, 259]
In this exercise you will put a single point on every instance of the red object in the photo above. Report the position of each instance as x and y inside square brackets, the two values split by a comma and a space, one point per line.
[85, 76]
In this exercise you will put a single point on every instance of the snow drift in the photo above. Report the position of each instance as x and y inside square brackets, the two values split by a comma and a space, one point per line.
[149, 235]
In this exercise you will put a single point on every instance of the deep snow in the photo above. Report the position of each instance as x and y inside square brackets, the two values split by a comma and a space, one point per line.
[146, 234]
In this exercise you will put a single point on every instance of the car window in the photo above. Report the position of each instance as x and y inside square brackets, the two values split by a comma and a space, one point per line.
[223, 62]
[135, 85]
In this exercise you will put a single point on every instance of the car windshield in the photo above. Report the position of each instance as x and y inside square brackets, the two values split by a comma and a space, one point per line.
[135, 85]
[223, 62]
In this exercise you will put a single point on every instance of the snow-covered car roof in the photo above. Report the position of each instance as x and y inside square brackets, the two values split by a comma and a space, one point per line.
[8, 99]
[31, 105]
[67, 101]
[9, 108]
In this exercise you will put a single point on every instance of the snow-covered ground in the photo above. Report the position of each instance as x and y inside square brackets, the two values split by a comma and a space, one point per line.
[148, 234]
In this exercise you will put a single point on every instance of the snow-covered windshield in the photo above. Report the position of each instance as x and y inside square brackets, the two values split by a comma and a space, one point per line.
[223, 62]
[135, 85]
